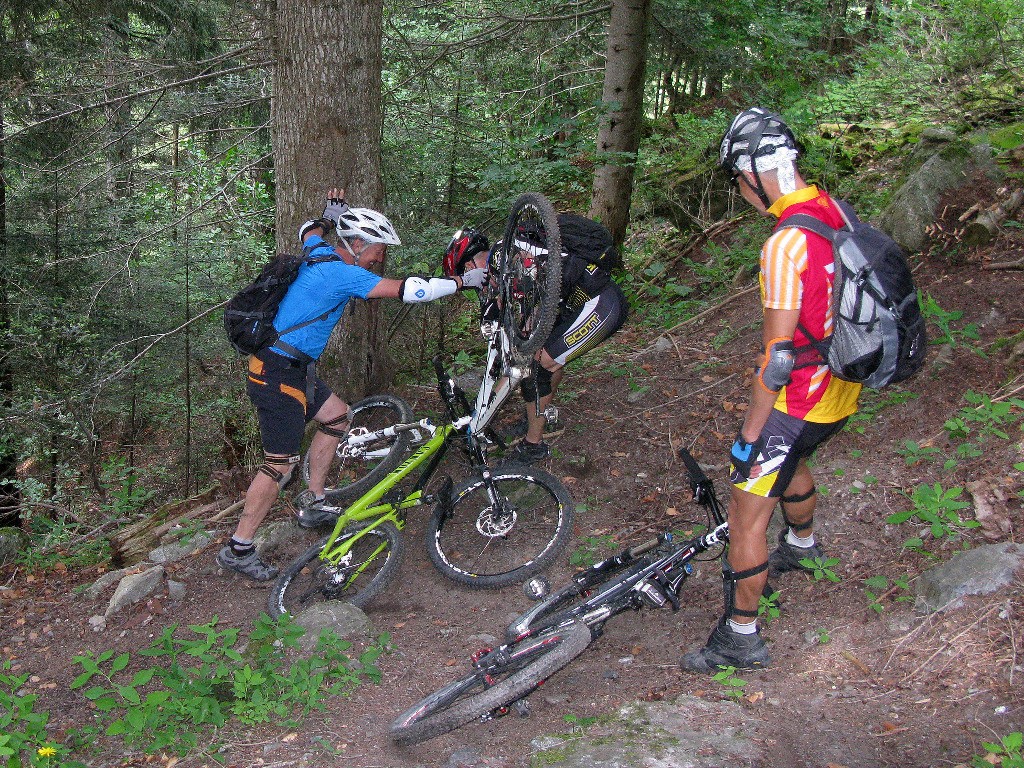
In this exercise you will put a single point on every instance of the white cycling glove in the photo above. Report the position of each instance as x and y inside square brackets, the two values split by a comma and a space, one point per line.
[474, 278]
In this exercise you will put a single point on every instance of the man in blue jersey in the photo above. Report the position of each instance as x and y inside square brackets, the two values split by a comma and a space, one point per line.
[282, 381]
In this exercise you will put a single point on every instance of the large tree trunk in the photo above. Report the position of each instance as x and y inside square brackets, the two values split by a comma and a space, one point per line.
[623, 98]
[10, 498]
[326, 119]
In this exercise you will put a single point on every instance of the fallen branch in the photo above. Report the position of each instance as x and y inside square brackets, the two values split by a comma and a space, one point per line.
[986, 226]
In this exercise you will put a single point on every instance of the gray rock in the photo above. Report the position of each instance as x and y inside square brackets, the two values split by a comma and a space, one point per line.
[135, 587]
[978, 571]
[178, 550]
[950, 163]
[12, 541]
[658, 735]
[98, 623]
[175, 590]
[92, 592]
[270, 537]
[343, 619]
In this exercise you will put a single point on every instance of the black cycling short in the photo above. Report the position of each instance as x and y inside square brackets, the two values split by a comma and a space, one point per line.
[277, 387]
[576, 332]
[786, 441]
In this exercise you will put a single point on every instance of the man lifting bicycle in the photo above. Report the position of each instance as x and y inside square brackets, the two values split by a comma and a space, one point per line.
[592, 308]
[282, 381]
[796, 404]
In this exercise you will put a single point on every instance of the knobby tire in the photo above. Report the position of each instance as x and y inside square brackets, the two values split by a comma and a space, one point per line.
[460, 548]
[471, 697]
[308, 580]
[531, 285]
[349, 478]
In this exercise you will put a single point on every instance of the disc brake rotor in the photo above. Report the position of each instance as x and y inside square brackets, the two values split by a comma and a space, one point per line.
[494, 525]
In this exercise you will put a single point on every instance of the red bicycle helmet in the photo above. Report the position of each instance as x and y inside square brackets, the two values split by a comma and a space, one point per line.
[465, 244]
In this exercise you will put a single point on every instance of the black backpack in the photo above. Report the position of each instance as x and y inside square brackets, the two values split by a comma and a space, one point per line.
[249, 315]
[590, 257]
[878, 333]
[588, 240]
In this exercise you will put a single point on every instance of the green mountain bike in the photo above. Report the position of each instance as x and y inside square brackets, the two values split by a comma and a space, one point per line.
[497, 527]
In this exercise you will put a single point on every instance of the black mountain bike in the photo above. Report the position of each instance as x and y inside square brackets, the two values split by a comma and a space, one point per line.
[561, 626]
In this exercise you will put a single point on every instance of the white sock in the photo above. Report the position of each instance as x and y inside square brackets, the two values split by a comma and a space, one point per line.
[750, 628]
[796, 541]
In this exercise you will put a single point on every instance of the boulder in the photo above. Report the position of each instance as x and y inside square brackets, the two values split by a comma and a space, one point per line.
[12, 541]
[978, 571]
[135, 587]
[343, 619]
[945, 163]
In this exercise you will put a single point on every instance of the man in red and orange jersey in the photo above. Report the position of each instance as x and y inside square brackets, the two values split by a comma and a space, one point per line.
[796, 404]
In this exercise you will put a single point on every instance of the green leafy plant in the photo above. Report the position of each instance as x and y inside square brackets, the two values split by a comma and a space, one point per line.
[938, 508]
[876, 587]
[24, 740]
[768, 607]
[990, 417]
[1007, 753]
[914, 453]
[944, 321]
[201, 683]
[822, 567]
[823, 637]
[733, 685]
[121, 490]
[871, 404]
[590, 550]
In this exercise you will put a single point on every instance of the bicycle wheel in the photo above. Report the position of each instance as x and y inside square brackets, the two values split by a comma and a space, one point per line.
[350, 476]
[530, 273]
[484, 544]
[361, 575]
[528, 664]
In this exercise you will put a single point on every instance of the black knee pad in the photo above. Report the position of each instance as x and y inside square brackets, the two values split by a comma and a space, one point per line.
[281, 478]
[528, 388]
[543, 382]
[795, 499]
[334, 427]
[729, 579]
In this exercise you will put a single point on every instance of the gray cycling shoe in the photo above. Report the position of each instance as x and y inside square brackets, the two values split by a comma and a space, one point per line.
[250, 565]
[726, 648]
[787, 557]
[314, 512]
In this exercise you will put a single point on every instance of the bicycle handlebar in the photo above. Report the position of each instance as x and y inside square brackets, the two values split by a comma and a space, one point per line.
[692, 467]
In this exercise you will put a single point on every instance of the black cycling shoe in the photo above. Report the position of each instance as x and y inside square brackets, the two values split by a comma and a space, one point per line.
[527, 452]
[517, 432]
[787, 557]
[726, 648]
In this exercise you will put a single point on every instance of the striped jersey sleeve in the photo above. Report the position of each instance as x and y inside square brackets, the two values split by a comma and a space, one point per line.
[783, 261]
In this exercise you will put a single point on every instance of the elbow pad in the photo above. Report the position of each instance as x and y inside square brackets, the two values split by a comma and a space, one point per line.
[416, 290]
[779, 359]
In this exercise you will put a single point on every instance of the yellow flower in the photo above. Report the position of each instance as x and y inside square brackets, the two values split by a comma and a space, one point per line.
[46, 751]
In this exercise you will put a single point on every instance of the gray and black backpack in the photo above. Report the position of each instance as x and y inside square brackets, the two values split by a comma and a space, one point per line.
[878, 333]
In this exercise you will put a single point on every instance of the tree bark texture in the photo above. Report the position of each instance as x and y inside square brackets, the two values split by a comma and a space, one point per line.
[326, 121]
[623, 99]
[10, 497]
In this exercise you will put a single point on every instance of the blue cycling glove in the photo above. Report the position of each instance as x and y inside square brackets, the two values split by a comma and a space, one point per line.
[744, 455]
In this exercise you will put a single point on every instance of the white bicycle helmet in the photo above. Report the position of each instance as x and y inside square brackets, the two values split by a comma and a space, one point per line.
[368, 224]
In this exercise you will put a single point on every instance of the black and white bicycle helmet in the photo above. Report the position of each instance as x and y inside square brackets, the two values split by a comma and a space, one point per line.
[368, 224]
[754, 134]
